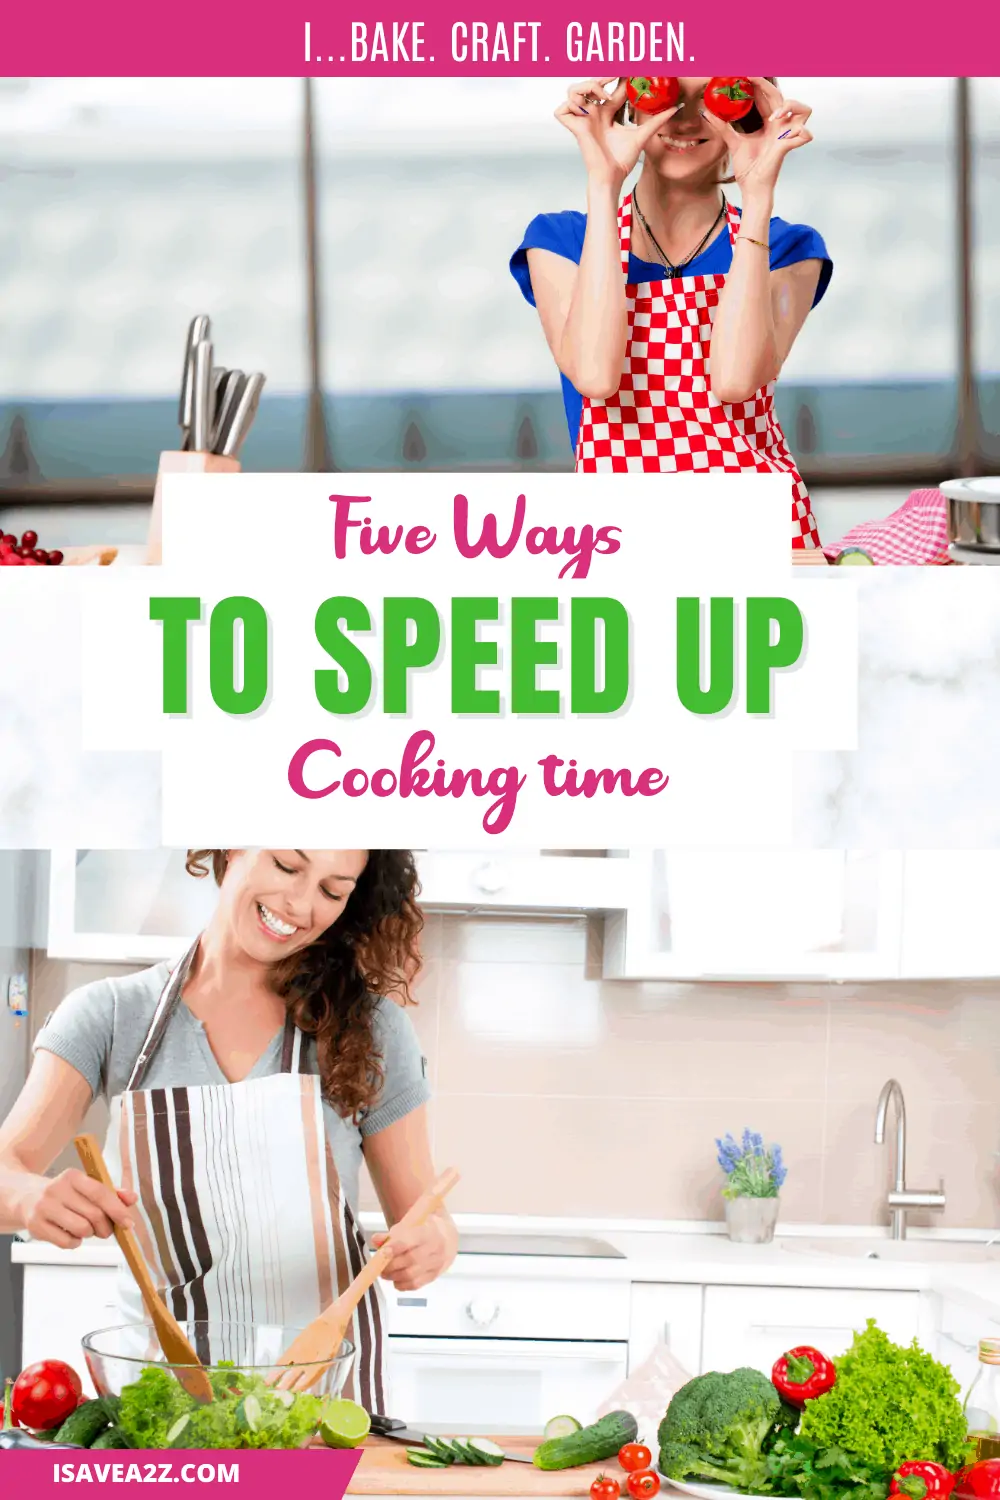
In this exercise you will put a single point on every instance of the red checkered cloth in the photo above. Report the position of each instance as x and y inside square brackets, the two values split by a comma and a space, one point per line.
[915, 533]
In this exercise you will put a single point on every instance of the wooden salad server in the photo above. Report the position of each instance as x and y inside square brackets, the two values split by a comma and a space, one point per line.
[176, 1350]
[316, 1346]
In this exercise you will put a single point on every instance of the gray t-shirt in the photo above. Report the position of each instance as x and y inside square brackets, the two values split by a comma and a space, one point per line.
[100, 1028]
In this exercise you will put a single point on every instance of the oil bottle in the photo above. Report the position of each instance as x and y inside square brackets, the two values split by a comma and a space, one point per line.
[982, 1404]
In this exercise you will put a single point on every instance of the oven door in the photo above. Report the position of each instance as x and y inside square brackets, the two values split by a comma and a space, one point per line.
[500, 1385]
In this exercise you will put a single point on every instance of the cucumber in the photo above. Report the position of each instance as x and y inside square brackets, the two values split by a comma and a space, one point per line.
[590, 1445]
[464, 1452]
[109, 1439]
[440, 1447]
[84, 1425]
[560, 1427]
[486, 1451]
[423, 1458]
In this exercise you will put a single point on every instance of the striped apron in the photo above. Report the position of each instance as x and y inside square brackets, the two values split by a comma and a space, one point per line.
[665, 418]
[241, 1217]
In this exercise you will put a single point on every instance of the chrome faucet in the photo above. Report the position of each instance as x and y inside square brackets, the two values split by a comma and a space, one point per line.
[901, 1198]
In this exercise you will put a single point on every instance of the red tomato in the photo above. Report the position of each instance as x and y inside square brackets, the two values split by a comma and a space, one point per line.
[45, 1394]
[29, 539]
[634, 1456]
[605, 1488]
[641, 1486]
[650, 96]
[729, 98]
[983, 1479]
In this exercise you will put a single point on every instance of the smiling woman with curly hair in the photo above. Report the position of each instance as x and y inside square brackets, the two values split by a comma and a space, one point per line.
[246, 1084]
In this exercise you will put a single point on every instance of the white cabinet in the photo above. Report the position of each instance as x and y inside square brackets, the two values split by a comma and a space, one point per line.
[141, 906]
[754, 1325]
[666, 1313]
[758, 914]
[950, 904]
[61, 1304]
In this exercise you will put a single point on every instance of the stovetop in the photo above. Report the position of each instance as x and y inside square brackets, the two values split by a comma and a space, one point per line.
[577, 1246]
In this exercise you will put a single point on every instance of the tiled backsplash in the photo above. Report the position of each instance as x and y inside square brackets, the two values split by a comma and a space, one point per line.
[557, 1092]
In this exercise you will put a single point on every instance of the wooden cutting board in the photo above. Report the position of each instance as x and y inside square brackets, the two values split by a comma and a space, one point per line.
[384, 1470]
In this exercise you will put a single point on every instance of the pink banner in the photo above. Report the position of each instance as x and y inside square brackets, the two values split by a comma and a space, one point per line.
[308, 1474]
[442, 39]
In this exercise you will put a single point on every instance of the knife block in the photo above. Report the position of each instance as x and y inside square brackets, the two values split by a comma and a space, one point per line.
[180, 463]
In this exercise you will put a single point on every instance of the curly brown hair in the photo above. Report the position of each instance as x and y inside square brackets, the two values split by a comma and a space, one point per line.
[332, 988]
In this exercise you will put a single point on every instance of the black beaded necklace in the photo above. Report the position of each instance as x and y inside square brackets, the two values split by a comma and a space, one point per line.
[671, 269]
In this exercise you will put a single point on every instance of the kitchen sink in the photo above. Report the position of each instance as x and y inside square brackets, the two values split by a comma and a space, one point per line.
[956, 1251]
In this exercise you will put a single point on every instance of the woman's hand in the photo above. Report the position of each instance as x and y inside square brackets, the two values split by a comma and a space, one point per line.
[67, 1209]
[609, 151]
[756, 159]
[421, 1254]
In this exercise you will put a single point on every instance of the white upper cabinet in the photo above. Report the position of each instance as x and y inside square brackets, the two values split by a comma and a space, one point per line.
[116, 906]
[758, 914]
[951, 900]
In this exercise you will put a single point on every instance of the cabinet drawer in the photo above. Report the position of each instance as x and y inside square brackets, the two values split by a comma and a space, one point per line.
[508, 1307]
[754, 1325]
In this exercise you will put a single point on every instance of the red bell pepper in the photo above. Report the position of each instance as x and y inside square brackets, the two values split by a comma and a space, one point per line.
[802, 1374]
[920, 1480]
[983, 1479]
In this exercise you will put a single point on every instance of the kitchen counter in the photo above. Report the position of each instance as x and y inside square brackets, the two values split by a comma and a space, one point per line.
[696, 1253]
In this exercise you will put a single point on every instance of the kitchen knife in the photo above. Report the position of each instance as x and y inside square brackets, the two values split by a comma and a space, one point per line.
[246, 410]
[225, 406]
[199, 330]
[201, 398]
[390, 1427]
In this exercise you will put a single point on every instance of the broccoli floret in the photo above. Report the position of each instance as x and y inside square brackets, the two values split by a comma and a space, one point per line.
[716, 1427]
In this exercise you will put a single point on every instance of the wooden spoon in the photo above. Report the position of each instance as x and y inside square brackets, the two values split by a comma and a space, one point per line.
[316, 1346]
[176, 1350]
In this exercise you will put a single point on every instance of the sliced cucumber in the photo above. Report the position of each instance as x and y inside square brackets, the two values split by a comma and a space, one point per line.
[440, 1447]
[469, 1453]
[423, 1458]
[486, 1451]
[560, 1427]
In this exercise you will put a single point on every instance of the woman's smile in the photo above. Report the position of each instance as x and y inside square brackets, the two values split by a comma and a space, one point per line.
[273, 925]
[682, 143]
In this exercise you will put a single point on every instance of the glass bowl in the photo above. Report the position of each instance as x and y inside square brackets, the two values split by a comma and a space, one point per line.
[239, 1358]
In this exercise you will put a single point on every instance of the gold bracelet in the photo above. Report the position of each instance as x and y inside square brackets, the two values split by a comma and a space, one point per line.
[742, 236]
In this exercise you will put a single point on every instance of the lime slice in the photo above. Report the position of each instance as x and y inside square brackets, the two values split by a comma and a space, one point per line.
[560, 1427]
[853, 557]
[345, 1424]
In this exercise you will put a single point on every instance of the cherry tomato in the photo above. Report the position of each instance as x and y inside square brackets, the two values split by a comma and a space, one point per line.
[55, 558]
[729, 98]
[650, 96]
[44, 1394]
[605, 1488]
[643, 1484]
[40, 555]
[29, 540]
[634, 1456]
[9, 539]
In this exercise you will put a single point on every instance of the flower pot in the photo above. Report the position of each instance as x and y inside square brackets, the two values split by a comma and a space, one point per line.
[751, 1221]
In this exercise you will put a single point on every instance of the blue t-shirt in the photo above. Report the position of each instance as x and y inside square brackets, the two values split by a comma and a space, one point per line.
[563, 233]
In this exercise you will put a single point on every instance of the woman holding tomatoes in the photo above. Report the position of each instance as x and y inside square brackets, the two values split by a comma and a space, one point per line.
[671, 314]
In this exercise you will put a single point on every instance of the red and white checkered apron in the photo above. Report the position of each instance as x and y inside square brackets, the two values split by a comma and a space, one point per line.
[664, 418]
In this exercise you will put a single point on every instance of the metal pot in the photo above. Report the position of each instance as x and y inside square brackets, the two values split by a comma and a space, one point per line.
[973, 516]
